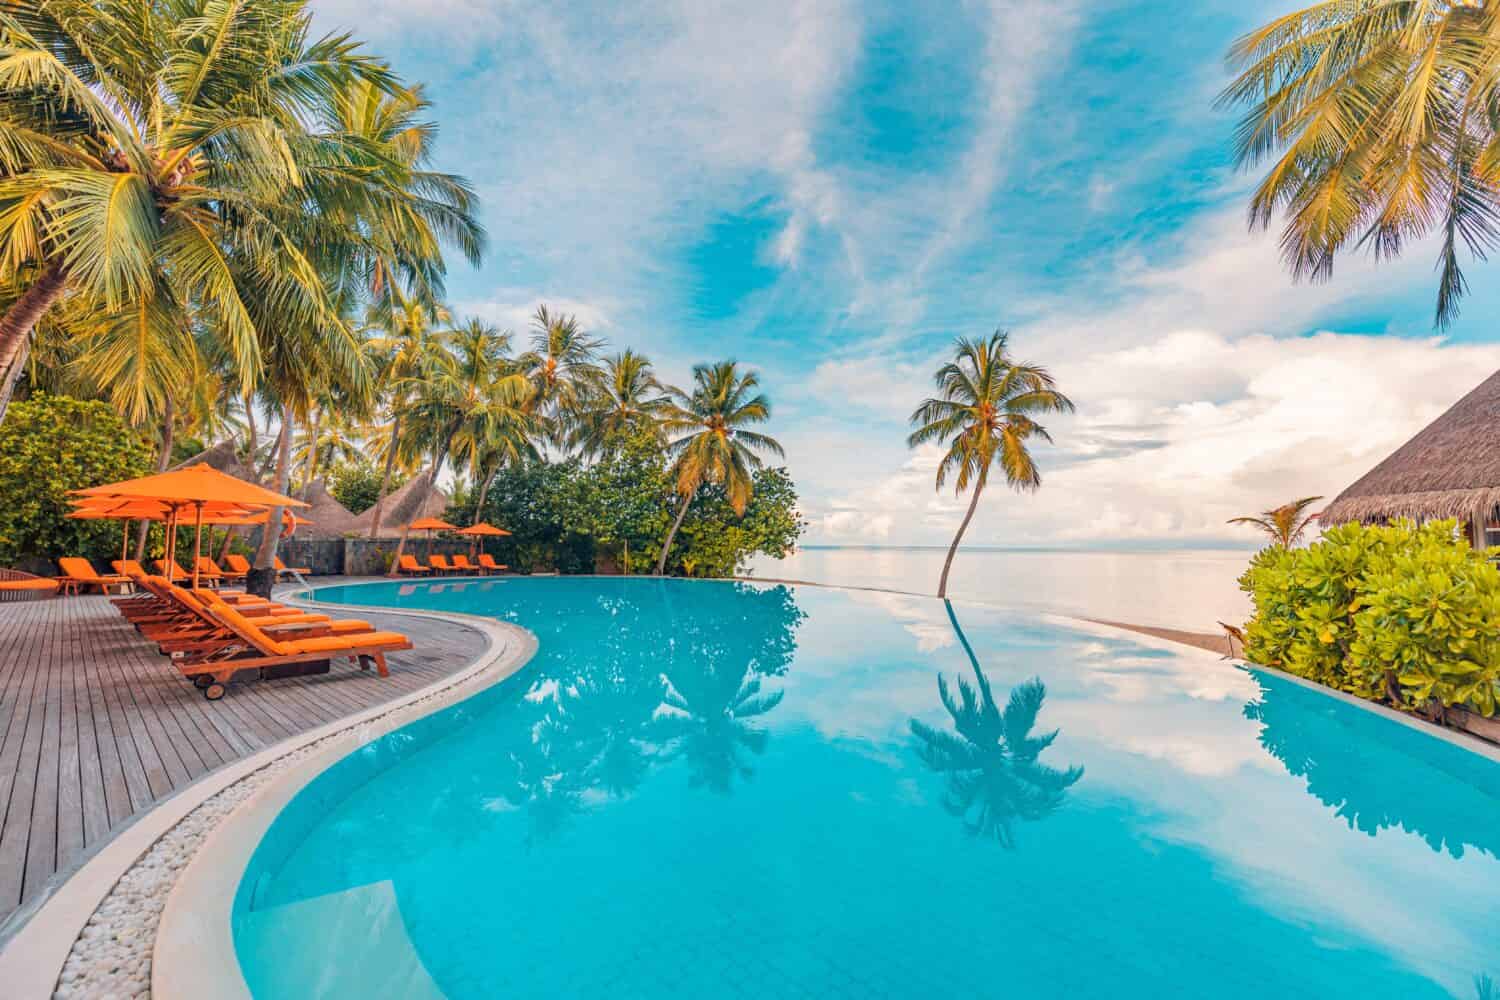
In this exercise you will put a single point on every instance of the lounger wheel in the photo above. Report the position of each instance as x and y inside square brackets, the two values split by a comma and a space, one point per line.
[202, 681]
[213, 692]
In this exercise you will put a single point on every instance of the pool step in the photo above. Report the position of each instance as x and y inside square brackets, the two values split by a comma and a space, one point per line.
[349, 943]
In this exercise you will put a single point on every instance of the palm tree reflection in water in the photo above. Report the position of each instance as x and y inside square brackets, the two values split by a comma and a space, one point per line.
[993, 773]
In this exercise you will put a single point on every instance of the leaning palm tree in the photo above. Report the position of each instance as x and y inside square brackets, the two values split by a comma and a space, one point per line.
[1379, 121]
[1284, 525]
[629, 400]
[985, 415]
[714, 444]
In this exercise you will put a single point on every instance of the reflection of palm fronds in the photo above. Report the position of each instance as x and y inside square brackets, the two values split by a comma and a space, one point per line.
[993, 772]
[1484, 988]
[709, 708]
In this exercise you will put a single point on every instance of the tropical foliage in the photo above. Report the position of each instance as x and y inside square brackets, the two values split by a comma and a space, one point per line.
[1379, 124]
[985, 416]
[1284, 525]
[48, 446]
[1402, 614]
[357, 484]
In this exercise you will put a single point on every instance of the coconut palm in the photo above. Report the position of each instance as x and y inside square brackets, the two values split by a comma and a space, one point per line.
[985, 415]
[156, 170]
[1284, 525]
[713, 443]
[629, 400]
[405, 327]
[563, 366]
[991, 761]
[448, 408]
[1379, 122]
[497, 426]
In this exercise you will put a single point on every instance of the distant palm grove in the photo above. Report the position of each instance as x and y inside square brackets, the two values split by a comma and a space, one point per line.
[224, 228]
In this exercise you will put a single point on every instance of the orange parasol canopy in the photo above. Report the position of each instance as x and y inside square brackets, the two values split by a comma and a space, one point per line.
[122, 509]
[482, 528]
[431, 524]
[199, 483]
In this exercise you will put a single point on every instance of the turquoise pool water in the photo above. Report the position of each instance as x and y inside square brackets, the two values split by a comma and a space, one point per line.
[712, 790]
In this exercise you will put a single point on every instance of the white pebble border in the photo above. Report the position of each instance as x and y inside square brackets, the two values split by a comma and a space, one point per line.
[111, 958]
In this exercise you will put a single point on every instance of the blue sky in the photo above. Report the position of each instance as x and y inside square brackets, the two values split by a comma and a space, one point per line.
[831, 192]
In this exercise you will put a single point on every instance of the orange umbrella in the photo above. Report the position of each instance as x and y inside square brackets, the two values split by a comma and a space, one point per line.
[126, 510]
[429, 525]
[481, 531]
[194, 486]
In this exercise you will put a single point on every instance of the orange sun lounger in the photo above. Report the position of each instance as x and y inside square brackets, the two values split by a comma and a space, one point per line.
[440, 564]
[408, 564]
[80, 573]
[281, 568]
[487, 561]
[253, 648]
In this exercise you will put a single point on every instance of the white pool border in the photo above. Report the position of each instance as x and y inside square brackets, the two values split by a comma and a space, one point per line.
[193, 952]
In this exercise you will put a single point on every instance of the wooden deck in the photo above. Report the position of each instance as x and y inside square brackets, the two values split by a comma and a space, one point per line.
[96, 726]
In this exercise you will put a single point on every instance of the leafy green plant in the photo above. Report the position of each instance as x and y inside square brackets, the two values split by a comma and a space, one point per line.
[356, 485]
[1405, 614]
[48, 446]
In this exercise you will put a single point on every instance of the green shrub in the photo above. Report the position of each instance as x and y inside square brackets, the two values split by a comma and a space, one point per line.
[356, 485]
[48, 446]
[1405, 614]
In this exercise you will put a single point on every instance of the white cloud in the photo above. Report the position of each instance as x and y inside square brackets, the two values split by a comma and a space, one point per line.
[514, 313]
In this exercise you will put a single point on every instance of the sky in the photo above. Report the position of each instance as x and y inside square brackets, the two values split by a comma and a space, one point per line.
[831, 192]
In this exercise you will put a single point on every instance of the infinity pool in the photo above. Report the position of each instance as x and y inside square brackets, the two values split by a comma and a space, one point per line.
[708, 790]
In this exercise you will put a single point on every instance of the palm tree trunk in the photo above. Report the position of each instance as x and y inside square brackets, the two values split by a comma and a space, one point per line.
[310, 468]
[18, 322]
[953, 549]
[427, 488]
[254, 441]
[385, 477]
[163, 459]
[484, 490]
[661, 560]
[265, 557]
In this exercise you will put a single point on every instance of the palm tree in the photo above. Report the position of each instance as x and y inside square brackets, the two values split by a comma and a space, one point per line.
[448, 408]
[1379, 122]
[152, 172]
[629, 399]
[1284, 525]
[406, 328]
[714, 445]
[992, 764]
[563, 367]
[985, 415]
[497, 426]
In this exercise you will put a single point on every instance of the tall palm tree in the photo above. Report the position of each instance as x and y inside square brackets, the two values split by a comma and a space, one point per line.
[629, 399]
[713, 443]
[564, 369]
[406, 328]
[1379, 122]
[151, 168]
[446, 407]
[497, 426]
[985, 415]
[1284, 525]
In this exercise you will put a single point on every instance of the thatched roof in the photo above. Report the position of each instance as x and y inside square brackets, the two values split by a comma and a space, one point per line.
[402, 507]
[330, 519]
[224, 457]
[1450, 469]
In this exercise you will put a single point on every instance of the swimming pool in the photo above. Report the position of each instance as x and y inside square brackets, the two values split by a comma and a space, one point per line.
[714, 789]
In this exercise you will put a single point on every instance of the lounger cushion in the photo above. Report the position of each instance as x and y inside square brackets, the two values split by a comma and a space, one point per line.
[336, 643]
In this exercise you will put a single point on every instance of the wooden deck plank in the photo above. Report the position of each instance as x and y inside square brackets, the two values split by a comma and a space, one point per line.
[96, 725]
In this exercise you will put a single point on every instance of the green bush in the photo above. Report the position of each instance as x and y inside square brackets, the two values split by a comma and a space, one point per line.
[356, 485]
[1405, 614]
[48, 446]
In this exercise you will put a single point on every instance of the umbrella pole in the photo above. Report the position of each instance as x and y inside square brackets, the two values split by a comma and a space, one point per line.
[169, 544]
[197, 542]
[125, 540]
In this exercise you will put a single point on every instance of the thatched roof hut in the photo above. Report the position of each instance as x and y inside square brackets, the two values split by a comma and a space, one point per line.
[330, 519]
[225, 458]
[402, 507]
[1451, 468]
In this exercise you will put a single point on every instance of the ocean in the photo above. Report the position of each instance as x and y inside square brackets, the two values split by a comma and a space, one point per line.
[1175, 588]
